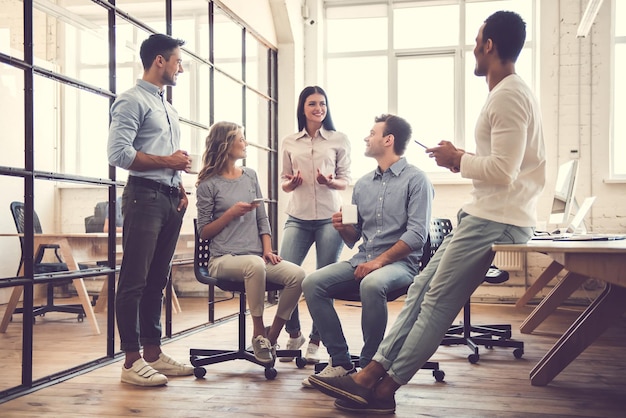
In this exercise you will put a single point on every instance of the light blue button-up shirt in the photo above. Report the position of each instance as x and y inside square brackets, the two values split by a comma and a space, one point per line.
[392, 206]
[142, 120]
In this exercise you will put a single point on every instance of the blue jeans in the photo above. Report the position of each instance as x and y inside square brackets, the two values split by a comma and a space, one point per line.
[440, 291]
[298, 236]
[151, 228]
[373, 289]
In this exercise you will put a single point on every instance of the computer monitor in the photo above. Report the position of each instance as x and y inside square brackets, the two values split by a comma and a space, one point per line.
[577, 225]
[564, 193]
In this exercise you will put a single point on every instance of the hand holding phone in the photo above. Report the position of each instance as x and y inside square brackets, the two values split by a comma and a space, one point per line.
[257, 200]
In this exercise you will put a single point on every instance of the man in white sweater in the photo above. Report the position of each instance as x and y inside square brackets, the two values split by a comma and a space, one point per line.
[508, 174]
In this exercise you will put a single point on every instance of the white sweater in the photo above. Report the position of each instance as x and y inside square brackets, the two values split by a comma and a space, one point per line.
[509, 168]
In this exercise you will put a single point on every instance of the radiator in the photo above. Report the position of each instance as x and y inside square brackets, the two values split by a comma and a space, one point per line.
[509, 260]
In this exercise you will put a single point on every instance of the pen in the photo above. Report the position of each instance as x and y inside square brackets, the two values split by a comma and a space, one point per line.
[420, 144]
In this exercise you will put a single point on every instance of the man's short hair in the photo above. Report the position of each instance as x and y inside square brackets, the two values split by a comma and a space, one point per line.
[507, 30]
[399, 128]
[158, 44]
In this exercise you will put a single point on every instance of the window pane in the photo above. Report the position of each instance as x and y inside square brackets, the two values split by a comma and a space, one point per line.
[183, 93]
[228, 44]
[191, 96]
[367, 26]
[355, 98]
[619, 110]
[228, 100]
[149, 12]
[12, 29]
[427, 106]
[256, 64]
[128, 63]
[12, 116]
[190, 23]
[425, 26]
[620, 18]
[80, 43]
[81, 130]
[477, 12]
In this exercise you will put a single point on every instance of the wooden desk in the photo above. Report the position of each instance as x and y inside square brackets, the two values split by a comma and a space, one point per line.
[604, 260]
[87, 247]
[66, 251]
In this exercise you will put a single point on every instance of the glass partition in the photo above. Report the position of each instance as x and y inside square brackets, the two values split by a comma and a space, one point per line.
[55, 111]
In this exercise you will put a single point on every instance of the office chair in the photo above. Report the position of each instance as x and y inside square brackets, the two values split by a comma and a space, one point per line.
[39, 267]
[353, 295]
[497, 335]
[203, 357]
[95, 222]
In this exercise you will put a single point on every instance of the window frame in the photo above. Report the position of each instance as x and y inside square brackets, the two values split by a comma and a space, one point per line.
[462, 52]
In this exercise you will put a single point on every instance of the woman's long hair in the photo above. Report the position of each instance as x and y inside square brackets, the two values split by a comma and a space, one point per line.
[218, 142]
[304, 94]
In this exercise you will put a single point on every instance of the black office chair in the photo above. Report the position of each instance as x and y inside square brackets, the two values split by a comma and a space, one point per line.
[203, 357]
[39, 267]
[95, 222]
[353, 295]
[489, 336]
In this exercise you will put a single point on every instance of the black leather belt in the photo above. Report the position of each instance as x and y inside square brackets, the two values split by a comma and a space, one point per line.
[154, 185]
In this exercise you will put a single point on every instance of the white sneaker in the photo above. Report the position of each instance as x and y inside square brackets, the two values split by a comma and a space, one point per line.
[141, 374]
[170, 367]
[312, 353]
[262, 349]
[293, 344]
[329, 371]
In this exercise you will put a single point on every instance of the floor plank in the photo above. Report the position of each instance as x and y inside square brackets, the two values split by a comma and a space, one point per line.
[497, 386]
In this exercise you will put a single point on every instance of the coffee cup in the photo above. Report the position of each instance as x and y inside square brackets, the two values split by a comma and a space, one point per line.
[196, 163]
[349, 214]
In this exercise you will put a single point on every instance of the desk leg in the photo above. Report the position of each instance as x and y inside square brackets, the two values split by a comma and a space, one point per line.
[103, 296]
[553, 300]
[79, 284]
[175, 303]
[584, 331]
[13, 301]
[548, 274]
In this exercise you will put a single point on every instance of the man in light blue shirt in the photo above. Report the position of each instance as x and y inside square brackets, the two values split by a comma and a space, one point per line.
[144, 138]
[394, 208]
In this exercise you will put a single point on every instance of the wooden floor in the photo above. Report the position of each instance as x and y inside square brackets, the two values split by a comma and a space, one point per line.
[498, 386]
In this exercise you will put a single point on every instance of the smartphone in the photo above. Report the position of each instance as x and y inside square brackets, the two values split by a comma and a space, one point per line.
[420, 144]
[258, 200]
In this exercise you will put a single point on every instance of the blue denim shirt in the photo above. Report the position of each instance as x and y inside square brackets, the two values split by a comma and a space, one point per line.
[392, 206]
[142, 120]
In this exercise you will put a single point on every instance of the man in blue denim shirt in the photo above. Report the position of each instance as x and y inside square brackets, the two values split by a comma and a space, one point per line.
[394, 207]
[144, 138]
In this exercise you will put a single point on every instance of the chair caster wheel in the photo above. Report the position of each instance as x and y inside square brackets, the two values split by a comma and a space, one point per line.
[439, 375]
[518, 352]
[270, 373]
[199, 372]
[300, 362]
[473, 358]
[80, 318]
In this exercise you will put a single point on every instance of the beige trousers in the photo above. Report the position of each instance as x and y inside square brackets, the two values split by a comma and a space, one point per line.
[253, 271]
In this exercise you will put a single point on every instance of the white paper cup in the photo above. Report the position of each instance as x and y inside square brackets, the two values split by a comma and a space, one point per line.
[349, 214]
[196, 163]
